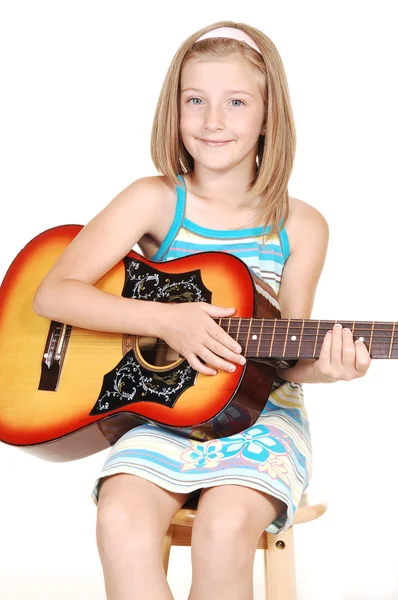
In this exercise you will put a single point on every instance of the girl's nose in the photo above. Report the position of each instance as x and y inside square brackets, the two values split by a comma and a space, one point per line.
[214, 117]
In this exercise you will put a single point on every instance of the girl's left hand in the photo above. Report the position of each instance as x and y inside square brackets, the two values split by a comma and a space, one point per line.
[341, 359]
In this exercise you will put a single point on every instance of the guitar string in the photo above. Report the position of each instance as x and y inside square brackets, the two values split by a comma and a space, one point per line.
[269, 323]
[241, 339]
[264, 338]
[279, 337]
[262, 348]
[381, 333]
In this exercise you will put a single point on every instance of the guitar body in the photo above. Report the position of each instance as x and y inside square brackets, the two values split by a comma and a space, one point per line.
[67, 392]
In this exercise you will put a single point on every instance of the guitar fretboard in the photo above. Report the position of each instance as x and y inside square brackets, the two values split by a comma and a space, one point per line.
[303, 338]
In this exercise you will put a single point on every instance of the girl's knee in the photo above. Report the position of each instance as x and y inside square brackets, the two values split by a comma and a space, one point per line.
[229, 530]
[222, 543]
[122, 528]
[113, 515]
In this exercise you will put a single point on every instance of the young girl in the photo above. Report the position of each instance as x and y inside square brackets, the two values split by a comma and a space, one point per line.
[223, 140]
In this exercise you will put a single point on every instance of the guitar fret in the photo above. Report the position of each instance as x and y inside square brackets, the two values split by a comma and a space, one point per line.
[237, 333]
[301, 337]
[316, 339]
[272, 338]
[392, 338]
[279, 341]
[371, 337]
[287, 331]
[248, 335]
[229, 325]
[259, 337]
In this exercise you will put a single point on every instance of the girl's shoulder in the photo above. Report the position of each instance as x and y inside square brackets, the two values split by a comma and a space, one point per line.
[157, 187]
[160, 192]
[304, 220]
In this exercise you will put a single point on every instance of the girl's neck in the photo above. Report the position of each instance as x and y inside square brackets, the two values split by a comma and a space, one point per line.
[227, 189]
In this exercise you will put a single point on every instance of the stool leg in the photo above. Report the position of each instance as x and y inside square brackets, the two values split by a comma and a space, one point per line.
[166, 547]
[280, 576]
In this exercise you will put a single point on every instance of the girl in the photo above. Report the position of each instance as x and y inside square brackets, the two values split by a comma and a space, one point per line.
[223, 140]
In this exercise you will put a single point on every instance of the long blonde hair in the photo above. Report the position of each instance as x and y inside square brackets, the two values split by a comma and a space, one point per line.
[276, 150]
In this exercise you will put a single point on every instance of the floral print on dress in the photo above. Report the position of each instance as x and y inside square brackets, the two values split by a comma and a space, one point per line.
[202, 454]
[255, 445]
[275, 468]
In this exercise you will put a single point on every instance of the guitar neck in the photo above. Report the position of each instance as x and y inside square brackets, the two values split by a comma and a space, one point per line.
[302, 338]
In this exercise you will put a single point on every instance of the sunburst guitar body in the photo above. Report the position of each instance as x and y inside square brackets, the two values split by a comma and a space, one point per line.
[67, 392]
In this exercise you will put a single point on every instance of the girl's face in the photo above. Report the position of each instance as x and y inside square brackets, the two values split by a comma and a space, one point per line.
[221, 111]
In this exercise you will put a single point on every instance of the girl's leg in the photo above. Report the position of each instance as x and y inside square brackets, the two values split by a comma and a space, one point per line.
[229, 522]
[133, 517]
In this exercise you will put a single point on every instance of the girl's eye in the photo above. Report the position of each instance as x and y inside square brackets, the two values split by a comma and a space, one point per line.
[240, 102]
[195, 100]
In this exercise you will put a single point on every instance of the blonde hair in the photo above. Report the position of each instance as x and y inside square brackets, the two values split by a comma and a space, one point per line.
[275, 152]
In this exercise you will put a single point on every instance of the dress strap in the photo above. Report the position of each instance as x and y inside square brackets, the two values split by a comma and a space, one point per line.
[284, 241]
[176, 224]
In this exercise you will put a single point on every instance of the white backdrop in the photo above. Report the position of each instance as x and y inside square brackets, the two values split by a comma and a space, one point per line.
[80, 80]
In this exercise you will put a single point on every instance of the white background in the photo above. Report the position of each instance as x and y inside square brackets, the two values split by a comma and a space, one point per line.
[80, 81]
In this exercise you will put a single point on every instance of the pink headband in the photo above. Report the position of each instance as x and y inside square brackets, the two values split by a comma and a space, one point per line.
[233, 33]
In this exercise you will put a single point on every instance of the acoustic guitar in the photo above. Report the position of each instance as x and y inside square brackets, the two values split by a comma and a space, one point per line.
[67, 392]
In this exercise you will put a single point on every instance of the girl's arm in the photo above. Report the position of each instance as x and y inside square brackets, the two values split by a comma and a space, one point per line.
[340, 358]
[67, 293]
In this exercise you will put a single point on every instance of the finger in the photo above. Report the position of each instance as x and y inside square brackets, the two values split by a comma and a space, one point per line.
[217, 333]
[337, 347]
[217, 311]
[348, 353]
[324, 354]
[200, 367]
[221, 350]
[362, 357]
[215, 361]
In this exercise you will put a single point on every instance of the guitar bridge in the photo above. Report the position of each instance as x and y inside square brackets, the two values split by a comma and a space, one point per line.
[54, 355]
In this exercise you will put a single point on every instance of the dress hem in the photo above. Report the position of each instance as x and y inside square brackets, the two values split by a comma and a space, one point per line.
[279, 525]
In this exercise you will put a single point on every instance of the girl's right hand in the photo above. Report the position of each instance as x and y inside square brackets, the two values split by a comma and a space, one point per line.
[189, 328]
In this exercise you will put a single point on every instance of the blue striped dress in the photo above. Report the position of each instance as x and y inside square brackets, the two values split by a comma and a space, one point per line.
[273, 455]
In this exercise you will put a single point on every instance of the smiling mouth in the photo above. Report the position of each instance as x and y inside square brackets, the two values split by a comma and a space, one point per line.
[215, 142]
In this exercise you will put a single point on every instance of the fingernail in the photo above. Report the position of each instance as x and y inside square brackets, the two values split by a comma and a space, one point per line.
[232, 369]
[242, 360]
[238, 349]
[214, 373]
[337, 326]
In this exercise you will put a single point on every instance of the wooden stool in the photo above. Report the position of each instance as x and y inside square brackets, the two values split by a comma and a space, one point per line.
[280, 577]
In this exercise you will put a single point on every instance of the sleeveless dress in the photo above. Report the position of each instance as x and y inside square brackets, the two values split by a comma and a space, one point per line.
[274, 455]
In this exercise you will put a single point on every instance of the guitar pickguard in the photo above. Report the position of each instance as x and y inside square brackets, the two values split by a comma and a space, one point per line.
[146, 283]
[130, 381]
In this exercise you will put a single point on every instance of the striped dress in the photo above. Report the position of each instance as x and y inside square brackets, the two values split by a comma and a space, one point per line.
[273, 455]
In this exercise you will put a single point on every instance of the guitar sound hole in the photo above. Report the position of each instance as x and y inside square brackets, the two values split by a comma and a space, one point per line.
[156, 352]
